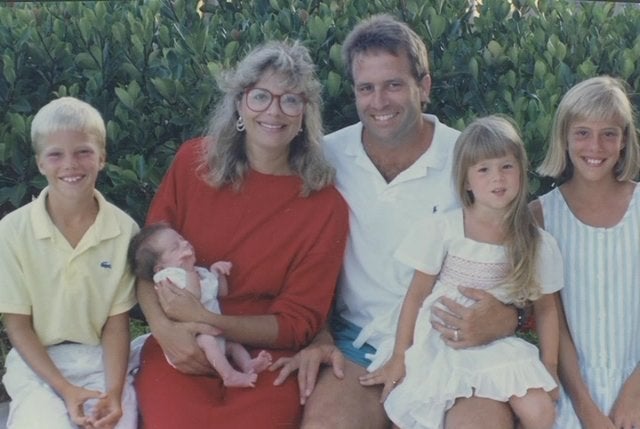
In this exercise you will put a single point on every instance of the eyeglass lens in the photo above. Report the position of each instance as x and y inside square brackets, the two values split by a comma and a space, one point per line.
[259, 100]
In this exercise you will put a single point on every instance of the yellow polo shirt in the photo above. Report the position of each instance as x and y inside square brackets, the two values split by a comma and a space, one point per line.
[69, 292]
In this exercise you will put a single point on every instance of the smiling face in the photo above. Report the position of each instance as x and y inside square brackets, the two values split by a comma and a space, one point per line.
[388, 97]
[175, 251]
[494, 182]
[270, 131]
[594, 148]
[70, 160]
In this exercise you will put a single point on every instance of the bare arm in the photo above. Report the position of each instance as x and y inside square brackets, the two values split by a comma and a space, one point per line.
[586, 409]
[393, 371]
[24, 339]
[178, 340]
[321, 351]
[223, 269]
[546, 314]
[115, 352]
[625, 412]
[257, 331]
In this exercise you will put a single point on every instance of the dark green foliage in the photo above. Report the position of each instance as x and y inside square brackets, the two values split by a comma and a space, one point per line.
[150, 68]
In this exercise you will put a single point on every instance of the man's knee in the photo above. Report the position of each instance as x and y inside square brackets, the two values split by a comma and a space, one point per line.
[344, 403]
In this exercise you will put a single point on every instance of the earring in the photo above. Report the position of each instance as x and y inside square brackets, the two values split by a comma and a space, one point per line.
[300, 130]
[240, 124]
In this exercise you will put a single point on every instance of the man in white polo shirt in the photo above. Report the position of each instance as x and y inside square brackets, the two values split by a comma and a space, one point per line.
[393, 168]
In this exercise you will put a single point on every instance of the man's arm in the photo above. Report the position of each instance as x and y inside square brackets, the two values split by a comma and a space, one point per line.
[485, 321]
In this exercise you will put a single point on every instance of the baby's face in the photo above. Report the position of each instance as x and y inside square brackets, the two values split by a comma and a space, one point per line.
[177, 252]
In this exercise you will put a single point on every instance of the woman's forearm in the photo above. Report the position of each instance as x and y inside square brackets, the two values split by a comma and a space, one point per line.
[256, 331]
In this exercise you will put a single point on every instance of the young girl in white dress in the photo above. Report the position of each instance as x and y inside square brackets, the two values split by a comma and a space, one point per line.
[594, 214]
[491, 243]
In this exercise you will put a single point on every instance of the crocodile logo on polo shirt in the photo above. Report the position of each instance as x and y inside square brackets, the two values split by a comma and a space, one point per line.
[105, 264]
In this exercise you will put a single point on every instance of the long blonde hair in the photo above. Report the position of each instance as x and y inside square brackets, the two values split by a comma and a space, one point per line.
[225, 159]
[495, 137]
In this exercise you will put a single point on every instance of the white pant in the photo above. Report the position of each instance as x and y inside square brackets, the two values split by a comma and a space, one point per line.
[35, 405]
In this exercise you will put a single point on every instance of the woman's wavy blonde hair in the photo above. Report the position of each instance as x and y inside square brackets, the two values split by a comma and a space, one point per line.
[495, 137]
[225, 160]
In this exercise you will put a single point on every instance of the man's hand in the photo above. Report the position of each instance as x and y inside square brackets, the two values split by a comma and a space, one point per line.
[307, 362]
[483, 322]
[178, 342]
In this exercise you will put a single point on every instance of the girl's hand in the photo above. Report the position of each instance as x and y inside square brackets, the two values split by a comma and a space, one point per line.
[74, 398]
[390, 374]
[107, 412]
[594, 419]
[625, 412]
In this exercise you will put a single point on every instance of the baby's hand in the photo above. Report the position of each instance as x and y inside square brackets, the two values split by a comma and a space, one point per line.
[221, 267]
[74, 398]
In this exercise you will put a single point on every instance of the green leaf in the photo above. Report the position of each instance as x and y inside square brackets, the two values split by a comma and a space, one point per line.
[333, 84]
[9, 69]
[125, 98]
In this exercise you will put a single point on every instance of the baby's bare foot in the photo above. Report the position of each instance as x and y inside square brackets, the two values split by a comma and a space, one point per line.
[262, 361]
[240, 379]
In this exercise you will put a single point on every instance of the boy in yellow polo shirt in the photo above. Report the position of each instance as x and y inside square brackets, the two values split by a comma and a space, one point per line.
[65, 288]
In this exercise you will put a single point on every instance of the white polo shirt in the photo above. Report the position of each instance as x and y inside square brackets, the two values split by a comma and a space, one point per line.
[372, 281]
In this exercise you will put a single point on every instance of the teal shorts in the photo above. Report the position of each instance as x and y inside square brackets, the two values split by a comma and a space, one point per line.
[344, 332]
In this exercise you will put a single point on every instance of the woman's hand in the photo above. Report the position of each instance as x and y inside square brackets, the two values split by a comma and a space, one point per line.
[178, 342]
[322, 351]
[390, 374]
[178, 304]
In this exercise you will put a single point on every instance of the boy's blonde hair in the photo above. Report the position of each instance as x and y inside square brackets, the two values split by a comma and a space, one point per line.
[495, 137]
[68, 114]
[602, 98]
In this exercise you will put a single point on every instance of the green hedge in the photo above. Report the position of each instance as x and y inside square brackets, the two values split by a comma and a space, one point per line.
[149, 67]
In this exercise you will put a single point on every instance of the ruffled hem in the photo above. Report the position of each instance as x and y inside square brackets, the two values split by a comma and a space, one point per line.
[423, 398]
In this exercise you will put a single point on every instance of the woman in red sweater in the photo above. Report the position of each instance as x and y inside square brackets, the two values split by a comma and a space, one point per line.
[255, 191]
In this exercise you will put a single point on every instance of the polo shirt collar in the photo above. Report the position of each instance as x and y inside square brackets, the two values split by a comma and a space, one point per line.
[434, 157]
[105, 226]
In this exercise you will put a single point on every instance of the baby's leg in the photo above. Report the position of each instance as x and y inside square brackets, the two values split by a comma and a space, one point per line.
[534, 410]
[242, 358]
[230, 376]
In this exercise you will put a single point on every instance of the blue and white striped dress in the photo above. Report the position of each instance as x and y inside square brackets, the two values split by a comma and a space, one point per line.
[601, 298]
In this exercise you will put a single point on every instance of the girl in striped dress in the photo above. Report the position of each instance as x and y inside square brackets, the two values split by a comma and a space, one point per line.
[594, 214]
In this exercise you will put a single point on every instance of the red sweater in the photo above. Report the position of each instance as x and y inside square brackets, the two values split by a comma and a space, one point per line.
[286, 252]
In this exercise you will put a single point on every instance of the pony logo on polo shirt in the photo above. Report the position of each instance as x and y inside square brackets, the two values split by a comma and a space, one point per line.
[105, 264]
